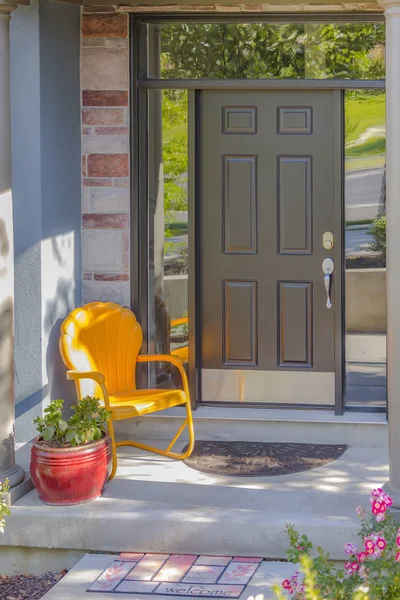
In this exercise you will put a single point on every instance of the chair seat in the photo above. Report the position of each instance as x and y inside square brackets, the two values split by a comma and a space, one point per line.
[142, 402]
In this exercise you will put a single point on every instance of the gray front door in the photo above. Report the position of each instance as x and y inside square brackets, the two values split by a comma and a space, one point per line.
[267, 196]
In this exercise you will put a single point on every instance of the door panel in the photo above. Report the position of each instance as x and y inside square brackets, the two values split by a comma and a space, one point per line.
[294, 197]
[267, 181]
[295, 323]
[240, 204]
[240, 304]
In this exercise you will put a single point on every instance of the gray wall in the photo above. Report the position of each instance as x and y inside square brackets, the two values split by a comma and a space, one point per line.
[45, 96]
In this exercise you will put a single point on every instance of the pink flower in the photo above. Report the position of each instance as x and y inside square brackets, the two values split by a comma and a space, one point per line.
[361, 512]
[351, 567]
[380, 502]
[286, 585]
[362, 556]
[398, 556]
[398, 540]
[380, 517]
[389, 501]
[350, 549]
[369, 546]
[381, 543]
[375, 544]
[300, 548]
[378, 507]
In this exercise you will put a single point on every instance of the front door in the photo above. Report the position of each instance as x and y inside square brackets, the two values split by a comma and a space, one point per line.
[268, 193]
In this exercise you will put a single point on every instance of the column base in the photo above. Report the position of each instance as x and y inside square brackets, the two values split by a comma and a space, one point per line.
[14, 476]
[20, 484]
[394, 493]
[20, 490]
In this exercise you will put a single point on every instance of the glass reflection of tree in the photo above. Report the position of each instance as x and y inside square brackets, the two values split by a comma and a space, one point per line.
[260, 50]
[175, 159]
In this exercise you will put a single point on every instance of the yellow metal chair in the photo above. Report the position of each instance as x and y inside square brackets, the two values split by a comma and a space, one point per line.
[100, 344]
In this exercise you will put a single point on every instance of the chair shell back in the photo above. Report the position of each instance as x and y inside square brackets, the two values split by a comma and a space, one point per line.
[104, 337]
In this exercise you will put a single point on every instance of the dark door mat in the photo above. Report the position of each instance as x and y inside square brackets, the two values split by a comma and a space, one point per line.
[260, 459]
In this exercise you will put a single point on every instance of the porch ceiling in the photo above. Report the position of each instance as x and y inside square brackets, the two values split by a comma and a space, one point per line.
[230, 6]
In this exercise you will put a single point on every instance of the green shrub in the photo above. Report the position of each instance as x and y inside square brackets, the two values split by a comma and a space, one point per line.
[87, 424]
[370, 573]
[378, 230]
[4, 510]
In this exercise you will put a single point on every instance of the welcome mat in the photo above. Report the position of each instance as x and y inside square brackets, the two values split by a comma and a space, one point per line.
[177, 575]
[260, 459]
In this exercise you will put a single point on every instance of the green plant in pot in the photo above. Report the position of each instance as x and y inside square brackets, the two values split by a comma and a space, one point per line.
[71, 459]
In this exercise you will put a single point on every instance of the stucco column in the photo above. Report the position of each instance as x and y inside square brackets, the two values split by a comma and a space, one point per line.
[8, 468]
[392, 14]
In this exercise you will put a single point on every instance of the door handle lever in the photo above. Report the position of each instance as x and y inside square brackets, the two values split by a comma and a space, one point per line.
[328, 266]
[327, 280]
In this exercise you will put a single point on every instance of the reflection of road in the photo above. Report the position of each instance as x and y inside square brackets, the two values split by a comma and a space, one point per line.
[366, 369]
[358, 240]
[363, 194]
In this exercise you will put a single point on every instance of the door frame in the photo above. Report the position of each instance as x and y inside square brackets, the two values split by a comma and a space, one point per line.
[139, 87]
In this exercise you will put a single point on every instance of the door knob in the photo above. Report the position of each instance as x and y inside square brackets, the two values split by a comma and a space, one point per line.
[328, 266]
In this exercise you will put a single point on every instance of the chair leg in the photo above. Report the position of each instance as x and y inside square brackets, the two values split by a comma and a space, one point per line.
[187, 422]
[113, 450]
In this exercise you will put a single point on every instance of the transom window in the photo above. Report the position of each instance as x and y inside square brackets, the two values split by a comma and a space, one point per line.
[270, 51]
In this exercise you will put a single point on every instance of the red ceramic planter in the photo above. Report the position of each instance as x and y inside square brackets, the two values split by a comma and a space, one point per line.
[67, 476]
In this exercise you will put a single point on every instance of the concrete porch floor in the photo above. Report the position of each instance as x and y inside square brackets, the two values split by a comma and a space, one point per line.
[159, 505]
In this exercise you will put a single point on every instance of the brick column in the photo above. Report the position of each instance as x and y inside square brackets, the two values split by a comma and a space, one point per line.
[105, 156]
[8, 468]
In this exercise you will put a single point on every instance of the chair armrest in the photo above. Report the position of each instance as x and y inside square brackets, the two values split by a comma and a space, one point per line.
[174, 360]
[94, 375]
[180, 321]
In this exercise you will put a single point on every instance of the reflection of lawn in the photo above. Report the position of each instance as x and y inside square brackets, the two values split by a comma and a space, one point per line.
[371, 147]
[368, 162]
[169, 132]
[362, 113]
[176, 228]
